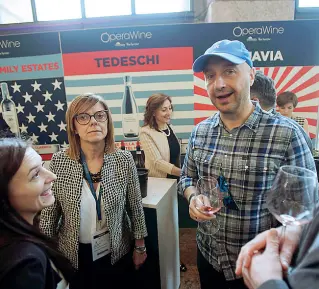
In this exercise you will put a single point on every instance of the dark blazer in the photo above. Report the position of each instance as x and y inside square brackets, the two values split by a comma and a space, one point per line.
[24, 265]
[121, 197]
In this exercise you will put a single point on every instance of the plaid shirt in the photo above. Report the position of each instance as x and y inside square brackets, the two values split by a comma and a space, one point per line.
[306, 136]
[250, 156]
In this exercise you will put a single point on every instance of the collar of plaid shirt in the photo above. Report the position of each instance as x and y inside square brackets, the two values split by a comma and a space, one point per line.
[252, 122]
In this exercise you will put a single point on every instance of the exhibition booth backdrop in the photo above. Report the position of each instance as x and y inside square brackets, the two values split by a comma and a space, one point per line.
[41, 73]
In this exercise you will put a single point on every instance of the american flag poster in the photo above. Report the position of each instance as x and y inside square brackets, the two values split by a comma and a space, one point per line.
[40, 106]
[41, 73]
[31, 71]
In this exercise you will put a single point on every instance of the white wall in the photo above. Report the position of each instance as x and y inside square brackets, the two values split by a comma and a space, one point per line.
[245, 10]
[15, 11]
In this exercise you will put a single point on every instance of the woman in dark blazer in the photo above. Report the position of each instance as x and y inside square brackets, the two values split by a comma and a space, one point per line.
[98, 216]
[28, 259]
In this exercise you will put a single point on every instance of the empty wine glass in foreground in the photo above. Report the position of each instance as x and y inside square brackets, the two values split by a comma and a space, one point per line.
[293, 196]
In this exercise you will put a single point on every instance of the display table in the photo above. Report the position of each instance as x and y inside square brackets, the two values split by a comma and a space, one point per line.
[161, 214]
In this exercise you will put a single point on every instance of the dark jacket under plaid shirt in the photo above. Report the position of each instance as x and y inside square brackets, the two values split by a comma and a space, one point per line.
[250, 156]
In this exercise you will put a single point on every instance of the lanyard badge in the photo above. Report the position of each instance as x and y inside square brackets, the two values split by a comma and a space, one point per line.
[89, 179]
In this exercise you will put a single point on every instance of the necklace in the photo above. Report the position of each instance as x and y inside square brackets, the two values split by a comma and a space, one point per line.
[96, 178]
[167, 134]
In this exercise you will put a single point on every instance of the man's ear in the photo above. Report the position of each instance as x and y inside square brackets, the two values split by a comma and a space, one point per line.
[255, 98]
[252, 75]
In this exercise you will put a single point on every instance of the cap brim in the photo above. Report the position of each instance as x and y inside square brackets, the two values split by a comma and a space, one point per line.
[200, 62]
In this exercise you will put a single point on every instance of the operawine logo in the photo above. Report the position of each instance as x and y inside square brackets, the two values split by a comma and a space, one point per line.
[263, 30]
[9, 44]
[129, 36]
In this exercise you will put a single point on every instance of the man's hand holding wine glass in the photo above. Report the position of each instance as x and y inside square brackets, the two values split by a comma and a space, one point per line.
[204, 202]
[200, 209]
[265, 266]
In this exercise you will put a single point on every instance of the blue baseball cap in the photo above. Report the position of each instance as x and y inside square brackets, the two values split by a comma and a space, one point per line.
[233, 51]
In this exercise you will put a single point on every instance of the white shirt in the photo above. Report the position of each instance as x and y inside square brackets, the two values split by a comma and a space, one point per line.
[89, 223]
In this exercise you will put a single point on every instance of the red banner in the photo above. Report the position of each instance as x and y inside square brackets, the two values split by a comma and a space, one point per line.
[154, 59]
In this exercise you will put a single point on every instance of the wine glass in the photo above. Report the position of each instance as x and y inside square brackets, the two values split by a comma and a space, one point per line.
[293, 195]
[208, 200]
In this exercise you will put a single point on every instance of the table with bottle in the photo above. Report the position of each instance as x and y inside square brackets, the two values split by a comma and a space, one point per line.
[161, 270]
[161, 215]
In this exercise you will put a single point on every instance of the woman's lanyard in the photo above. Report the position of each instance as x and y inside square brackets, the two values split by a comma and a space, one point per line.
[89, 179]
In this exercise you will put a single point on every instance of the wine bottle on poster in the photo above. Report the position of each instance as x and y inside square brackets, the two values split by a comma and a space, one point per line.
[9, 111]
[130, 119]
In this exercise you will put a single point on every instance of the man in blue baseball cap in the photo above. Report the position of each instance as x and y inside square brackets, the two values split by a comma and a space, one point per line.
[242, 147]
[229, 95]
[233, 51]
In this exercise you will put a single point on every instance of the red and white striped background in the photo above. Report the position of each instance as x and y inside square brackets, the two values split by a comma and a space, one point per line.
[302, 80]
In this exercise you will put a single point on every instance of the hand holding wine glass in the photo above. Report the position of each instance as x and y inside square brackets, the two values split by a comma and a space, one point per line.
[208, 201]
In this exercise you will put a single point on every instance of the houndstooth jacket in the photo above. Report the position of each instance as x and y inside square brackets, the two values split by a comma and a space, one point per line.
[121, 197]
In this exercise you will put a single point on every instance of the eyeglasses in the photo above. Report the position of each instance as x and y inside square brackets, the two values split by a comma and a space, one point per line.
[228, 200]
[85, 118]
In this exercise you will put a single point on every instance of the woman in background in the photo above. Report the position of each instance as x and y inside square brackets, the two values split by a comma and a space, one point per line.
[28, 258]
[287, 102]
[98, 216]
[160, 144]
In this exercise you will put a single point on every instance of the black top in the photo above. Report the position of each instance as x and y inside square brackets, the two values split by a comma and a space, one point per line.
[174, 149]
[26, 266]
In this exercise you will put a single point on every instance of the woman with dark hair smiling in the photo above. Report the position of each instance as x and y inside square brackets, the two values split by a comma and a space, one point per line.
[160, 144]
[29, 259]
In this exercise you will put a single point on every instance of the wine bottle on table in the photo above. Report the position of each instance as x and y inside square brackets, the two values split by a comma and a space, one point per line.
[122, 145]
[139, 158]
